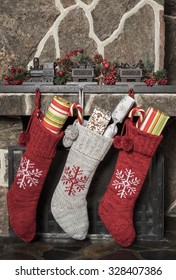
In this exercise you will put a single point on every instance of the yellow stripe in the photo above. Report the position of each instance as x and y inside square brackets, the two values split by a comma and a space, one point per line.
[61, 100]
[160, 125]
[56, 118]
[47, 120]
[155, 120]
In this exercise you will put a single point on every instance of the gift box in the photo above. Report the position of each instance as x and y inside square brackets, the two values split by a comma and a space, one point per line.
[154, 121]
[99, 120]
[56, 114]
[122, 109]
[118, 115]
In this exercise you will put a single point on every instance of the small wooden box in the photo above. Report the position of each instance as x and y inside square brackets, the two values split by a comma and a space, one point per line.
[83, 74]
[130, 74]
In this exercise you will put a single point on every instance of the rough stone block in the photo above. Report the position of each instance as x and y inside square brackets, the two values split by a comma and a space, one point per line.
[3, 168]
[10, 128]
[4, 225]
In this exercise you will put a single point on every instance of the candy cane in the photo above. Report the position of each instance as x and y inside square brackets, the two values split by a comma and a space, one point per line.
[79, 110]
[137, 111]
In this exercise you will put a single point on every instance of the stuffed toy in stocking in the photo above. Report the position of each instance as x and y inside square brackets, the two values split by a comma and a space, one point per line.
[69, 205]
[23, 196]
[116, 207]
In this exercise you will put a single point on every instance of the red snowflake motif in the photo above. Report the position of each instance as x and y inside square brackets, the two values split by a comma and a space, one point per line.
[73, 179]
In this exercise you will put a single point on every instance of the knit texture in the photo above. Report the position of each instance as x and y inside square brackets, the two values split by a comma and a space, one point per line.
[23, 196]
[116, 207]
[69, 205]
[71, 133]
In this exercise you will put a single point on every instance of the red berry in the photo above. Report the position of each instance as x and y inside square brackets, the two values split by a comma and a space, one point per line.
[104, 61]
[147, 81]
[152, 81]
[162, 81]
[59, 60]
[106, 65]
[165, 82]
[6, 77]
[16, 82]
[12, 69]
[61, 72]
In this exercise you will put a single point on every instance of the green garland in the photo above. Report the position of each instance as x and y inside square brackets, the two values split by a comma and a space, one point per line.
[105, 72]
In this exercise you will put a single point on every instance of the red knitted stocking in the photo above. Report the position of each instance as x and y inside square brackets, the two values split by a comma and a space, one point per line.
[23, 196]
[116, 207]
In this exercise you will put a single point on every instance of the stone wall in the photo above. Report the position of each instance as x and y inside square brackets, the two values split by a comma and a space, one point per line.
[124, 30]
[170, 42]
[120, 30]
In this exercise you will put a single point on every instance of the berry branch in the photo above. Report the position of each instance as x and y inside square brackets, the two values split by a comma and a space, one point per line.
[105, 72]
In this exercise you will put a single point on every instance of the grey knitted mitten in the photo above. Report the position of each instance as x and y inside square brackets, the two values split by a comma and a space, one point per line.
[69, 204]
[71, 133]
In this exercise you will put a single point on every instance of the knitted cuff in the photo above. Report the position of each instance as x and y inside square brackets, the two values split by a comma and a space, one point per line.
[42, 142]
[91, 144]
[143, 142]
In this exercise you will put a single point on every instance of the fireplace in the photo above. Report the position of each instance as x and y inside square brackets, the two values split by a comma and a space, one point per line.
[148, 219]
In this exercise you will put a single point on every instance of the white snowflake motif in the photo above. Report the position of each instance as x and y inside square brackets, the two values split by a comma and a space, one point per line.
[27, 174]
[74, 179]
[125, 183]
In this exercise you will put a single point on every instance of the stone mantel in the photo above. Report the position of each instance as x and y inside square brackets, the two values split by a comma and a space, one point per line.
[19, 100]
